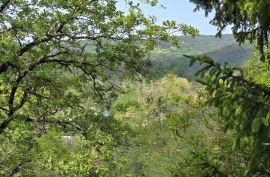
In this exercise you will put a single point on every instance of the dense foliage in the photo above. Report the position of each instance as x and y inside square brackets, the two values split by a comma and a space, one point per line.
[76, 97]
[164, 115]
[60, 61]
[176, 133]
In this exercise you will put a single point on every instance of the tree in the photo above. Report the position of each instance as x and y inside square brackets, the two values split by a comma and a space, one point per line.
[58, 58]
[242, 100]
[43, 40]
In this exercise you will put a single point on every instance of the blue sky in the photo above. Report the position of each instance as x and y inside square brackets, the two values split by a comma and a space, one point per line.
[182, 12]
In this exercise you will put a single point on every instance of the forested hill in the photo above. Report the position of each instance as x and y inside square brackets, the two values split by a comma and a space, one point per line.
[221, 49]
[224, 49]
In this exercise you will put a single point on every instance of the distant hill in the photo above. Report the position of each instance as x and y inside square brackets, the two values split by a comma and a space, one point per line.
[233, 54]
[222, 50]
[207, 43]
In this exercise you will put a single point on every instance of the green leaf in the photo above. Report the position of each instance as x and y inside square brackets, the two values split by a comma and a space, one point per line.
[266, 144]
[238, 111]
[268, 116]
[265, 122]
[220, 82]
[256, 125]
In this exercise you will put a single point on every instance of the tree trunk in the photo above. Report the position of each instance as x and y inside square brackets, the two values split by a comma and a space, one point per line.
[5, 123]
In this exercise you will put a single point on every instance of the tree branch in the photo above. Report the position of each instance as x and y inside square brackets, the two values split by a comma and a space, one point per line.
[5, 123]
[23, 100]
[4, 109]
[47, 38]
[35, 43]
[4, 5]
[12, 109]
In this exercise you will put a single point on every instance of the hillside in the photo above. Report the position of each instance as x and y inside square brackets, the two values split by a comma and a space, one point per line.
[233, 54]
[222, 50]
[207, 43]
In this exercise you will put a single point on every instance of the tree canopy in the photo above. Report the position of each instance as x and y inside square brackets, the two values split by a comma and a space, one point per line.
[46, 45]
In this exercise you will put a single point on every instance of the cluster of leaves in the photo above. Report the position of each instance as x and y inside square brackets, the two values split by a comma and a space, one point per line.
[44, 41]
[242, 96]
[243, 104]
[87, 148]
[209, 152]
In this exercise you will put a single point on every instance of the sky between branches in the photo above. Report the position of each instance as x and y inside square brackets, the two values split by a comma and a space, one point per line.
[182, 12]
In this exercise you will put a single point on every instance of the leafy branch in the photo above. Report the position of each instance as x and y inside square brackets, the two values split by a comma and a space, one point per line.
[243, 103]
